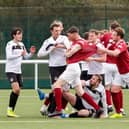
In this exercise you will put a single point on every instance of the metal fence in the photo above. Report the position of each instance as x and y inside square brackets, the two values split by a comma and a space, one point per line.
[35, 22]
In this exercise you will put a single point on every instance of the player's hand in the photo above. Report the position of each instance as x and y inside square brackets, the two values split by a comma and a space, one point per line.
[23, 53]
[102, 49]
[68, 53]
[89, 59]
[59, 45]
[32, 49]
[83, 82]
[52, 48]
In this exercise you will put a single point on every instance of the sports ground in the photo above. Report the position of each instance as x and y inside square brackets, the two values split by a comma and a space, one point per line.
[28, 108]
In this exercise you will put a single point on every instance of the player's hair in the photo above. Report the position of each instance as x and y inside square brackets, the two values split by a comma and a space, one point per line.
[93, 31]
[73, 29]
[15, 30]
[56, 23]
[103, 31]
[120, 32]
[99, 77]
[86, 35]
[114, 25]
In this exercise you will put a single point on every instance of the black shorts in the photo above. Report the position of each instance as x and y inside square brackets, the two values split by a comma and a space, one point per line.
[55, 72]
[78, 104]
[84, 75]
[13, 77]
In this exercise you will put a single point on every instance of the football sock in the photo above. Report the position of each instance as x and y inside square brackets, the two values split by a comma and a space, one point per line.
[13, 100]
[116, 102]
[121, 99]
[89, 99]
[58, 98]
[108, 97]
[47, 100]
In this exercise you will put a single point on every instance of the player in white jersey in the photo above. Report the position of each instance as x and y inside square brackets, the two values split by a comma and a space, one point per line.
[55, 46]
[96, 90]
[15, 52]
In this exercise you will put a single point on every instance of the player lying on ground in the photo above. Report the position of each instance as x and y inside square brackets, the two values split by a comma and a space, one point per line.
[95, 89]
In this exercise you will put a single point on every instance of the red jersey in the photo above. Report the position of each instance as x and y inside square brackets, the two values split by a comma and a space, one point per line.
[123, 57]
[108, 43]
[105, 39]
[87, 49]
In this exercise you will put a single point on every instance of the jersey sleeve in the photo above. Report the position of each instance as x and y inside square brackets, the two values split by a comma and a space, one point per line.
[121, 46]
[45, 49]
[81, 43]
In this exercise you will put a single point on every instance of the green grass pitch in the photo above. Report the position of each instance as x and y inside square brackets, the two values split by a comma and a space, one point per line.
[28, 108]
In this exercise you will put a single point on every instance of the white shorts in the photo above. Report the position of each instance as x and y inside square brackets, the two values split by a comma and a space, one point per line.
[125, 79]
[72, 74]
[112, 75]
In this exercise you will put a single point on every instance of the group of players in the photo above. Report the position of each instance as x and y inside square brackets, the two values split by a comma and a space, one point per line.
[96, 66]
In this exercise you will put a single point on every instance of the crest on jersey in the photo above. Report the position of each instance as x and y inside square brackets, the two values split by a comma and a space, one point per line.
[119, 46]
[90, 44]
[11, 79]
[55, 78]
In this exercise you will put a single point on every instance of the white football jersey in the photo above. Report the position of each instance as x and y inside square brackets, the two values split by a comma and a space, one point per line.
[57, 56]
[14, 56]
[98, 95]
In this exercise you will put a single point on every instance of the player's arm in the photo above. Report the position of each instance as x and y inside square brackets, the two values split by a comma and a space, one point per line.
[102, 58]
[115, 52]
[45, 49]
[73, 50]
[27, 55]
[85, 83]
[65, 45]
[9, 53]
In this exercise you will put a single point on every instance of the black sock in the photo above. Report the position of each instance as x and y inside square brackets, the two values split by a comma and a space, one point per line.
[13, 100]
[75, 115]
[52, 105]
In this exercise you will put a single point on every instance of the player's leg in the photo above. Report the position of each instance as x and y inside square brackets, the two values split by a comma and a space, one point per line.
[117, 95]
[80, 92]
[108, 82]
[16, 83]
[57, 90]
[55, 72]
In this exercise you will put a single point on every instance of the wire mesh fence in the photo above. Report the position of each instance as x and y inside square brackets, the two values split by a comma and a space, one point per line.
[35, 22]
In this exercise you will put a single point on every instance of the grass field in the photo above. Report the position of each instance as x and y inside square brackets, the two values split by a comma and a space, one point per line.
[28, 108]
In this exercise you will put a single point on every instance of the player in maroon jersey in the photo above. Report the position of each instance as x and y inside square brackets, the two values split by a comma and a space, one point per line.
[120, 51]
[79, 51]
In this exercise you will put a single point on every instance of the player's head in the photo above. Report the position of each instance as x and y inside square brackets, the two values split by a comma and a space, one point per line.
[95, 80]
[73, 33]
[114, 25]
[86, 35]
[101, 33]
[16, 33]
[118, 34]
[55, 29]
[93, 35]
[57, 22]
